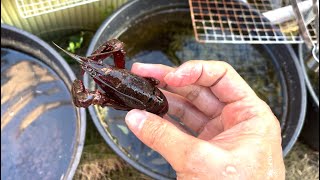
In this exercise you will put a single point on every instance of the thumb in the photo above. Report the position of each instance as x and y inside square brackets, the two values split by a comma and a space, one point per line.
[162, 136]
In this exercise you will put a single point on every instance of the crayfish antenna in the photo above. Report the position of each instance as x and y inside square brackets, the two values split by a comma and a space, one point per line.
[80, 59]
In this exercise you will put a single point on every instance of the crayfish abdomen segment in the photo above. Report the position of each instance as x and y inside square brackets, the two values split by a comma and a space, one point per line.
[134, 91]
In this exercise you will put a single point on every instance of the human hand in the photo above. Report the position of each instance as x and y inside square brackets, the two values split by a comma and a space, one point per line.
[238, 136]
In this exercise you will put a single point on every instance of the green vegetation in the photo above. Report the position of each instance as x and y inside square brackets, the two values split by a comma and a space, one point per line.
[75, 42]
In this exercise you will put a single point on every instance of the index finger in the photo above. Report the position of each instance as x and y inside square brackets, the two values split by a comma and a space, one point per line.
[223, 80]
[200, 96]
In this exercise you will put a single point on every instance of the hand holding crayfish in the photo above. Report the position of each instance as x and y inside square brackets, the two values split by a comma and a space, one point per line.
[237, 135]
[119, 88]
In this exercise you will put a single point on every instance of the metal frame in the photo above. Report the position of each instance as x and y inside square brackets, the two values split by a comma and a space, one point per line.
[234, 21]
[30, 8]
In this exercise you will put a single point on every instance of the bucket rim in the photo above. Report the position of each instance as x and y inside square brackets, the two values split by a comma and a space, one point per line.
[311, 90]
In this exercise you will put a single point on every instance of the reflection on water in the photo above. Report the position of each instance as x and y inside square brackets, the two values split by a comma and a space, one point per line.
[168, 39]
[38, 127]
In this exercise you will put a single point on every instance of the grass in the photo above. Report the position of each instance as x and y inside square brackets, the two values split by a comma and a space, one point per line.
[98, 161]
[302, 163]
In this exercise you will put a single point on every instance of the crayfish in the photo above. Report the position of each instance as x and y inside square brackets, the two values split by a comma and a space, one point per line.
[118, 87]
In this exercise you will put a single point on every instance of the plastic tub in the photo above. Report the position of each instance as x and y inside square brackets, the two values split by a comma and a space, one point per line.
[42, 133]
[310, 131]
[132, 26]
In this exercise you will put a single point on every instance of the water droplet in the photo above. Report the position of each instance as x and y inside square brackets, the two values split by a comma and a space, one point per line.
[38, 91]
[124, 129]
[159, 161]
[150, 153]
[230, 171]
[11, 113]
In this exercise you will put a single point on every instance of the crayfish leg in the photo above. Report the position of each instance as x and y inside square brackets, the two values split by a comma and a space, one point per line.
[82, 71]
[119, 59]
[112, 47]
[106, 47]
[103, 100]
[82, 97]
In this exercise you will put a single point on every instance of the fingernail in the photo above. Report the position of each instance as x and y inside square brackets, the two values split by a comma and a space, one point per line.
[135, 119]
[142, 66]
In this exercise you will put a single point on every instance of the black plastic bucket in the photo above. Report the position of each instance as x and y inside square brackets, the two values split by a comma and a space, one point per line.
[290, 102]
[310, 131]
[42, 133]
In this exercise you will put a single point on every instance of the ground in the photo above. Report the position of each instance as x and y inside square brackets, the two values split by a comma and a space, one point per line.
[99, 162]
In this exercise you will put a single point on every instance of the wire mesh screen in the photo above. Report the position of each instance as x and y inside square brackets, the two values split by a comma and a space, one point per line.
[233, 21]
[30, 8]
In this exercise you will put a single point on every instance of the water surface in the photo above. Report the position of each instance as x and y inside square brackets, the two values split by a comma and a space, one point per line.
[38, 119]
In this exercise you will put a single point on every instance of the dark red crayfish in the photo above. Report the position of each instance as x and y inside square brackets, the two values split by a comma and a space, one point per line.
[119, 88]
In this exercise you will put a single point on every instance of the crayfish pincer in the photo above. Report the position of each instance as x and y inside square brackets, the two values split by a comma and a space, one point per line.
[118, 87]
